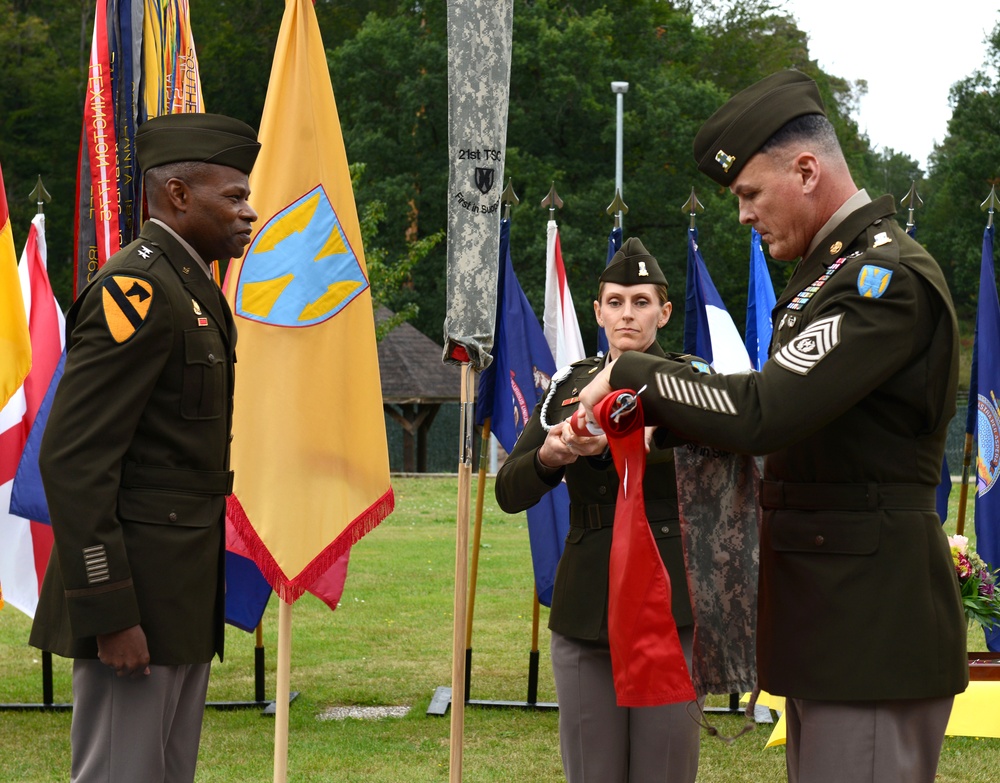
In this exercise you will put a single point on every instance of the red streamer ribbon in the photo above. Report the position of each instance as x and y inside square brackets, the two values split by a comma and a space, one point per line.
[646, 655]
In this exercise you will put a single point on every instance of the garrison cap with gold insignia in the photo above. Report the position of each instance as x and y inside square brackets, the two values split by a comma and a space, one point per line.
[196, 137]
[731, 136]
[633, 265]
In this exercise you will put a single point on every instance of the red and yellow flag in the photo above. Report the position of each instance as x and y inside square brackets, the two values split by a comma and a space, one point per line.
[309, 448]
[15, 344]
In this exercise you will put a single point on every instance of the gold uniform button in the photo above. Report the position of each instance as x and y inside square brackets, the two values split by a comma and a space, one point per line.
[820, 540]
[665, 529]
[172, 516]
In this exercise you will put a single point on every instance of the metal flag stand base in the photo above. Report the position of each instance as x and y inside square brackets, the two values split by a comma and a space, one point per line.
[268, 707]
[761, 714]
[441, 699]
[47, 700]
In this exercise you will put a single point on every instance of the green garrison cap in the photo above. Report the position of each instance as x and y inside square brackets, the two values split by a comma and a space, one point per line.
[731, 136]
[196, 137]
[633, 265]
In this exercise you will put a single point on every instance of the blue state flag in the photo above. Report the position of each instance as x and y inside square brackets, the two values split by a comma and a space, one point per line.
[709, 331]
[760, 302]
[509, 389]
[614, 245]
[983, 406]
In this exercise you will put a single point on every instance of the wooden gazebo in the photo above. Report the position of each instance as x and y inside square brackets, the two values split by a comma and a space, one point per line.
[415, 383]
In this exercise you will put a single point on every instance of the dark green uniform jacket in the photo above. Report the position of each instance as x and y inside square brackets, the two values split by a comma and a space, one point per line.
[858, 596]
[580, 594]
[135, 459]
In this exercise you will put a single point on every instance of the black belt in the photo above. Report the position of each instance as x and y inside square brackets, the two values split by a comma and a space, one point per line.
[202, 482]
[847, 497]
[598, 515]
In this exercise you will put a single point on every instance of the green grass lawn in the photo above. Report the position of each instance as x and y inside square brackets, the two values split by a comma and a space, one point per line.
[389, 644]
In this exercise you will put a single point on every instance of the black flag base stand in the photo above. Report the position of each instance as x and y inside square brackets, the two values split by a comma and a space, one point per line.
[47, 700]
[441, 699]
[268, 707]
[259, 701]
[761, 714]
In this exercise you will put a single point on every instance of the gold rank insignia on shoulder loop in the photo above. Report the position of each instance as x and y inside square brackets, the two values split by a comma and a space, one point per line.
[881, 238]
[126, 301]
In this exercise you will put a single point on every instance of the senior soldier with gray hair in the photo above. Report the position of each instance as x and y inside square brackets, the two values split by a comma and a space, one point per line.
[135, 463]
[860, 623]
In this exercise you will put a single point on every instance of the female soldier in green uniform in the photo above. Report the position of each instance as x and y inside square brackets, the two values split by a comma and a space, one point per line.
[598, 739]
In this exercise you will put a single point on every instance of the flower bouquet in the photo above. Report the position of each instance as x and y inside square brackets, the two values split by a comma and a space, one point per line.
[978, 585]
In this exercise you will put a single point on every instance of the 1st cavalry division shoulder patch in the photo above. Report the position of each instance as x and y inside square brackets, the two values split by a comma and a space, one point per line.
[805, 350]
[126, 302]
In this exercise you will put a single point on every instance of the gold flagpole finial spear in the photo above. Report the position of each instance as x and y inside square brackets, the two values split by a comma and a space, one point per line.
[617, 208]
[40, 194]
[990, 205]
[911, 201]
[552, 201]
[692, 206]
[508, 198]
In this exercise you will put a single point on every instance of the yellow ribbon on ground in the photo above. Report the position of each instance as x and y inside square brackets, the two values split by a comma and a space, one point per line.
[975, 712]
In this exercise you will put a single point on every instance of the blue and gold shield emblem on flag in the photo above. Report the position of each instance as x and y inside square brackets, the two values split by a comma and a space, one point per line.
[300, 269]
[988, 435]
[873, 280]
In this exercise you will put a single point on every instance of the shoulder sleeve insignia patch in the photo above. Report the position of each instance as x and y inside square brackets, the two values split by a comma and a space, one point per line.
[126, 302]
[701, 367]
[810, 346]
[873, 281]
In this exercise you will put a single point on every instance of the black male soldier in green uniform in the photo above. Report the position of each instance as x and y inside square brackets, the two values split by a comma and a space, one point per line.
[860, 624]
[135, 463]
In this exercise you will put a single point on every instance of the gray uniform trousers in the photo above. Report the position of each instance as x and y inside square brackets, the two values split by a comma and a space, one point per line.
[144, 729]
[865, 741]
[604, 743]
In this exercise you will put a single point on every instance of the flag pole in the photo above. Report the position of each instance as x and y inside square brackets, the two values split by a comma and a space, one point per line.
[507, 198]
[476, 538]
[461, 578]
[40, 196]
[533, 655]
[619, 89]
[911, 201]
[617, 207]
[989, 206]
[692, 206]
[281, 701]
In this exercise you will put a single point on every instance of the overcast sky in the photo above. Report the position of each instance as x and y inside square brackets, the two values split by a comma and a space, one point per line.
[910, 54]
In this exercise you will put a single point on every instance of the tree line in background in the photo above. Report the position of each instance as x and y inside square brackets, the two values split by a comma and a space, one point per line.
[388, 62]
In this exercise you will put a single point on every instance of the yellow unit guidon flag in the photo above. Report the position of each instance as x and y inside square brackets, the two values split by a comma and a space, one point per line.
[309, 447]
